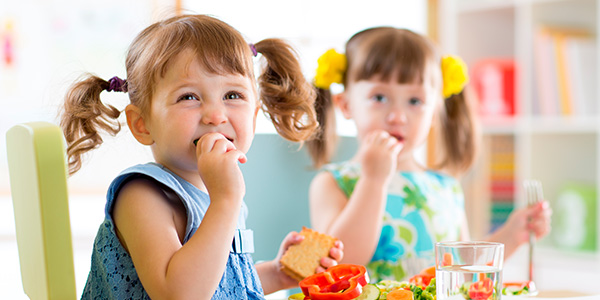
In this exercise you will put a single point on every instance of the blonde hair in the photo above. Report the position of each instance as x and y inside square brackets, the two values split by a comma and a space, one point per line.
[286, 97]
[386, 52]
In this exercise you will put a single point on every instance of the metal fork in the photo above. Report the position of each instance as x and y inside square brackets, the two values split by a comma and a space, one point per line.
[533, 194]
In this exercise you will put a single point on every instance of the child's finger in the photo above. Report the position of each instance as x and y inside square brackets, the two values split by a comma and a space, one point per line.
[207, 142]
[328, 262]
[292, 238]
[336, 253]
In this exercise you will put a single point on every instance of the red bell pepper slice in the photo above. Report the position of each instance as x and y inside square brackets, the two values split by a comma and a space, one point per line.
[482, 289]
[341, 282]
[423, 278]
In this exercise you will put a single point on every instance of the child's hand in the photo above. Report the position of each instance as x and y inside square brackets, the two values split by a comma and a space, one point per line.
[378, 155]
[218, 166]
[335, 256]
[336, 253]
[535, 218]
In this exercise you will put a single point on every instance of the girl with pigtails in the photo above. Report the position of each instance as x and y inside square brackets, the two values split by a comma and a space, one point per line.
[387, 208]
[175, 227]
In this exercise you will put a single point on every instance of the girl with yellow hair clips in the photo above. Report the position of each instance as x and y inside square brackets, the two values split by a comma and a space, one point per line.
[387, 208]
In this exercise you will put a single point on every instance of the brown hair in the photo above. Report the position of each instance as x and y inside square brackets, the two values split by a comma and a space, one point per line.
[287, 98]
[388, 52]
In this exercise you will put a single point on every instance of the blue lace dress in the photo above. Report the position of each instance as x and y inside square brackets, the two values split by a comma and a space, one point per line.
[113, 275]
[422, 208]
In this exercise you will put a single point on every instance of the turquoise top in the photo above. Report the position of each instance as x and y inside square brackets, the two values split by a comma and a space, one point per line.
[422, 208]
[113, 275]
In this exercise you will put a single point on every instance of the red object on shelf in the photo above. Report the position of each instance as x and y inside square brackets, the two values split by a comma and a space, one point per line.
[494, 81]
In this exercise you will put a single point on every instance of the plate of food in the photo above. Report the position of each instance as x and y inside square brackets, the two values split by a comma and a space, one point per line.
[351, 282]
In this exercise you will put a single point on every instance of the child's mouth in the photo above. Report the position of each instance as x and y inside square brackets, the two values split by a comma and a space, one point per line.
[399, 138]
[196, 140]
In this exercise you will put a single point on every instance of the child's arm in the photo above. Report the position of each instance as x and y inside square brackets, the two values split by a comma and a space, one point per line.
[273, 279]
[356, 221]
[151, 227]
[515, 230]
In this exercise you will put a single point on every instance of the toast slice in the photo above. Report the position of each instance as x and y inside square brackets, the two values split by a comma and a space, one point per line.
[301, 260]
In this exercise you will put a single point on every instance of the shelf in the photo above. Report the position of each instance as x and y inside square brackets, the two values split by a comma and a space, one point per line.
[492, 125]
[474, 6]
[554, 44]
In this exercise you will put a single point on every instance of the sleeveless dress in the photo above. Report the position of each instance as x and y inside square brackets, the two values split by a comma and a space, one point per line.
[112, 274]
[422, 208]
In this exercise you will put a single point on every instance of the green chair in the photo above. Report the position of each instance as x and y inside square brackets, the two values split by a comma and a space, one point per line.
[38, 181]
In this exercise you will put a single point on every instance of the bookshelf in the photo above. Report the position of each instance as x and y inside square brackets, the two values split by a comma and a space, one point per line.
[560, 147]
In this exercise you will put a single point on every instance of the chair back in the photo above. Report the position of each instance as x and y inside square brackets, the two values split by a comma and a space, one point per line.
[38, 181]
[277, 176]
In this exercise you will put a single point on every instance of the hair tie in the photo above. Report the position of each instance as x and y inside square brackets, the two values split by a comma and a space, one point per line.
[455, 75]
[117, 84]
[331, 68]
[253, 48]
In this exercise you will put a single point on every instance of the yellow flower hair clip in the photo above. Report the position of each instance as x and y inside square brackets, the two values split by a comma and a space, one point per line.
[454, 74]
[330, 69]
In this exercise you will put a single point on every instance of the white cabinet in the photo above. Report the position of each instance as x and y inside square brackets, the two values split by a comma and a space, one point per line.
[560, 148]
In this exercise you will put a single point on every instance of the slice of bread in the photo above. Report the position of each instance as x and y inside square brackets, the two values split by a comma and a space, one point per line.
[301, 260]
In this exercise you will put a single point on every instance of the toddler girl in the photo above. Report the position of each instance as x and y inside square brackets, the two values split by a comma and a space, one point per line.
[387, 208]
[175, 227]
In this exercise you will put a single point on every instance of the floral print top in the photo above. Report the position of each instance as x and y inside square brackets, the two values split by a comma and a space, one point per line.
[422, 208]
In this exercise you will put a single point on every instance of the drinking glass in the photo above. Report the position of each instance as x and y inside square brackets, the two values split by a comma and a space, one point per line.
[469, 270]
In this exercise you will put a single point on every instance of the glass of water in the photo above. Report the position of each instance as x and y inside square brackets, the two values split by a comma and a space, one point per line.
[469, 270]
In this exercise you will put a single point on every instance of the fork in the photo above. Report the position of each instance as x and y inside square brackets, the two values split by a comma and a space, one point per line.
[533, 195]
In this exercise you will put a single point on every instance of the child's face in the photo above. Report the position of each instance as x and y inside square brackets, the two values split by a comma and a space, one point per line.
[405, 111]
[190, 102]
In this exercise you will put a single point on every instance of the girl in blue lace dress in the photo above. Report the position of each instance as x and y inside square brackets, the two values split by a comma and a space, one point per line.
[387, 208]
[175, 227]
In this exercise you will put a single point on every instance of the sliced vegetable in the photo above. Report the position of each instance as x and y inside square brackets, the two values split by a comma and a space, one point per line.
[298, 296]
[428, 271]
[447, 259]
[421, 280]
[400, 294]
[482, 289]
[370, 292]
[518, 288]
[341, 282]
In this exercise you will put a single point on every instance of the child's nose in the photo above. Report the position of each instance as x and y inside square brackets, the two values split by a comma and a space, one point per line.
[213, 113]
[396, 115]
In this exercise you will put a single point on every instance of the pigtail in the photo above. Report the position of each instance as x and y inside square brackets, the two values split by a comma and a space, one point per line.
[83, 116]
[322, 146]
[287, 98]
[459, 133]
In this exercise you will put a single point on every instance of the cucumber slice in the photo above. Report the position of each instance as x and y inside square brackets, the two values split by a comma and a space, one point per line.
[370, 292]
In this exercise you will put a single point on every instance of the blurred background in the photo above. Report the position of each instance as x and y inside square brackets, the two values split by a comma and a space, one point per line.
[534, 69]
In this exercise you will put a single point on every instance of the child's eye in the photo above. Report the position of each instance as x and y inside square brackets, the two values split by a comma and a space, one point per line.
[415, 101]
[233, 95]
[380, 98]
[188, 97]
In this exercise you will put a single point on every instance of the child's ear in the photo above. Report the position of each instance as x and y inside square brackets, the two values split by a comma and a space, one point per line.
[137, 125]
[341, 101]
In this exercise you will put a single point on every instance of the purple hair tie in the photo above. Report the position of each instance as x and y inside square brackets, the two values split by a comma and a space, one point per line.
[253, 48]
[117, 84]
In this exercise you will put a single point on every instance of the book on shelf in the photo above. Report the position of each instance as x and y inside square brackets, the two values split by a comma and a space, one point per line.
[501, 179]
[575, 217]
[494, 82]
[564, 71]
